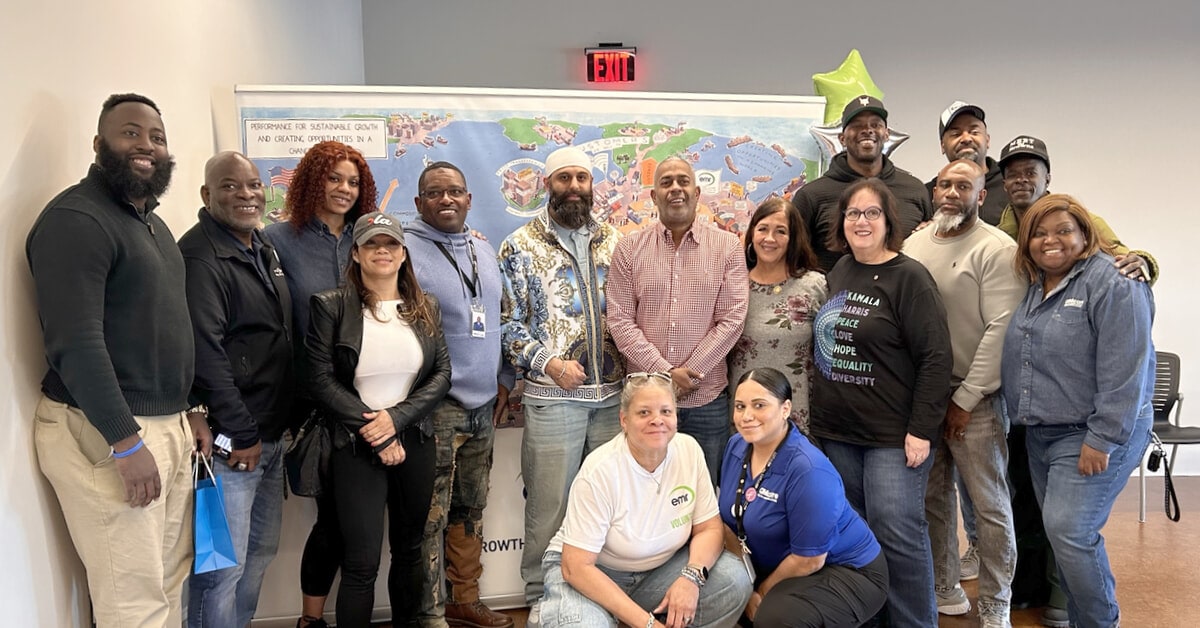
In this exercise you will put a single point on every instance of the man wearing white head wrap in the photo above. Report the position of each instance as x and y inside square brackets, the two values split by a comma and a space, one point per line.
[553, 327]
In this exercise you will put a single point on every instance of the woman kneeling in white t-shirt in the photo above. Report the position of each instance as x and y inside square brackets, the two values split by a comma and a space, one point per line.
[641, 541]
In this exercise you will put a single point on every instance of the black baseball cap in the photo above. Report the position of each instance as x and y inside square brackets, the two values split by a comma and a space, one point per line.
[860, 104]
[1024, 146]
[956, 109]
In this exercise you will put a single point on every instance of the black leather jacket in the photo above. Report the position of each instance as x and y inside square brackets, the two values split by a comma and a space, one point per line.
[333, 343]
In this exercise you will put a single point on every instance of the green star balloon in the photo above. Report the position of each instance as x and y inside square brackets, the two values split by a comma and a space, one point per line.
[839, 86]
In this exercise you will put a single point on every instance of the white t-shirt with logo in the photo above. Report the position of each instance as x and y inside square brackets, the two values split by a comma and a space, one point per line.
[632, 519]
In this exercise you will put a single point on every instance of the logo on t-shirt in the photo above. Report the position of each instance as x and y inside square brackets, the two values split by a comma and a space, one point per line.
[834, 329]
[682, 498]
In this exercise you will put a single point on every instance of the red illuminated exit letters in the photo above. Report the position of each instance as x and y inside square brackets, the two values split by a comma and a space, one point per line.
[610, 65]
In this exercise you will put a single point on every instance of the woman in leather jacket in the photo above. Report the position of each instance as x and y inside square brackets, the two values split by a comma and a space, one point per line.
[378, 365]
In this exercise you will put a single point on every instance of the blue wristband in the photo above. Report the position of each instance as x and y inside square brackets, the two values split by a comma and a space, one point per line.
[130, 451]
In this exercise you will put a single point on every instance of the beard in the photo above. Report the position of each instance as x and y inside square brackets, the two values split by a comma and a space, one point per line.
[122, 177]
[945, 223]
[571, 214]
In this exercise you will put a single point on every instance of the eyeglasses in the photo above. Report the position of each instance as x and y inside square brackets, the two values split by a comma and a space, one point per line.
[638, 376]
[871, 213]
[436, 195]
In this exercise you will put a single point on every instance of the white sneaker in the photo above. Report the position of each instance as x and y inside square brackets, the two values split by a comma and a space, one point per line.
[994, 618]
[535, 615]
[952, 601]
[969, 564]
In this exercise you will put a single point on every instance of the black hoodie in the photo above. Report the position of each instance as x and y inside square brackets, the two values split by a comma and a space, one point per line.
[818, 202]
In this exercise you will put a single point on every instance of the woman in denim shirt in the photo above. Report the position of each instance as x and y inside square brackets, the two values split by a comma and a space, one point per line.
[1088, 415]
[330, 189]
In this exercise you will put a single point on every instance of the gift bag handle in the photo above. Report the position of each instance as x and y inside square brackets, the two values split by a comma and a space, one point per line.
[197, 461]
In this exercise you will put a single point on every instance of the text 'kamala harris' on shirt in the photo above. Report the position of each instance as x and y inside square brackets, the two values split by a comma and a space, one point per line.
[834, 330]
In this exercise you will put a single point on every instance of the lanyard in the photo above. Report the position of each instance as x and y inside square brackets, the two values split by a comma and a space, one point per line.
[741, 501]
[471, 283]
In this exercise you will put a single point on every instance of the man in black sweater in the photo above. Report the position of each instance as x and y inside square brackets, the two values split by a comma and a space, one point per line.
[964, 135]
[864, 132]
[241, 317]
[111, 429]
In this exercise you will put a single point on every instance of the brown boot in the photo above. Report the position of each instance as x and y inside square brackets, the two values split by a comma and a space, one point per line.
[463, 570]
[475, 615]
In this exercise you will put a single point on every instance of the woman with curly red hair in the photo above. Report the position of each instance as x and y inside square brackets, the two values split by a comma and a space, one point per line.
[331, 188]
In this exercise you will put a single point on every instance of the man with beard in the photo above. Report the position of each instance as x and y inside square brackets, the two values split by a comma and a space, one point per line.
[241, 320]
[1025, 165]
[864, 132]
[677, 304]
[553, 327]
[964, 135]
[972, 263]
[460, 270]
[113, 430]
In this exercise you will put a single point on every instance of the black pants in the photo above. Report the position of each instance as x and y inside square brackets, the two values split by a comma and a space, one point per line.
[362, 488]
[834, 596]
[323, 550]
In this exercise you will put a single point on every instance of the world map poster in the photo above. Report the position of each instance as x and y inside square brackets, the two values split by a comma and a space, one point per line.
[744, 149]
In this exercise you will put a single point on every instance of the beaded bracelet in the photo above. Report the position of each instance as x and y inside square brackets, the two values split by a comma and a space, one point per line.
[130, 451]
[650, 621]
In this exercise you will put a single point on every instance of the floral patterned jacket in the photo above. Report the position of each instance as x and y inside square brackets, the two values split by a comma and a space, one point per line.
[554, 308]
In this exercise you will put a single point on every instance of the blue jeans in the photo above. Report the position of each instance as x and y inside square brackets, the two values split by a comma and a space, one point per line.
[460, 489]
[981, 463]
[254, 508]
[1075, 508]
[709, 424]
[557, 437]
[722, 599]
[891, 498]
[968, 510]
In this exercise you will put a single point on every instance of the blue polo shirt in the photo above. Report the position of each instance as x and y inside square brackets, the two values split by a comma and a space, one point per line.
[800, 508]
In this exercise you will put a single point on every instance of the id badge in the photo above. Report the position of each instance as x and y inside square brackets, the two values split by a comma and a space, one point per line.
[478, 317]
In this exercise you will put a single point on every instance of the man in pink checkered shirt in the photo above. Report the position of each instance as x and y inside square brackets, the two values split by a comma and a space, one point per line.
[677, 303]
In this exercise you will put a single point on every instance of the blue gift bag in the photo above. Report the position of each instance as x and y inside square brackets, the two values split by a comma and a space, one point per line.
[214, 543]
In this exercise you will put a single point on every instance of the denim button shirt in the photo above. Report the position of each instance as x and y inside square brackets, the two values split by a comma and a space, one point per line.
[1082, 354]
[314, 260]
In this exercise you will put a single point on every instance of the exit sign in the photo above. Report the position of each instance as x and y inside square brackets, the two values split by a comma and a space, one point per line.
[610, 64]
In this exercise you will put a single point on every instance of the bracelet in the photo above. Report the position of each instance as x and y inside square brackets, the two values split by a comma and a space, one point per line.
[130, 451]
[650, 621]
[564, 368]
[198, 409]
[693, 576]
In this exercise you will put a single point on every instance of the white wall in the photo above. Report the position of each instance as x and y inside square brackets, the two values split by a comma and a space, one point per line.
[59, 60]
[1111, 87]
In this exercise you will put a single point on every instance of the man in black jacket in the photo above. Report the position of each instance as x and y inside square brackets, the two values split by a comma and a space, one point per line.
[111, 433]
[240, 310]
[964, 135]
[864, 132]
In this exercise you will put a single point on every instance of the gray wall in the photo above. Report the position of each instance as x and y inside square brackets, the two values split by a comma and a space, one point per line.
[1111, 89]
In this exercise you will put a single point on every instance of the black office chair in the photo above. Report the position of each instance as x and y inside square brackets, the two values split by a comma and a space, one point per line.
[1166, 397]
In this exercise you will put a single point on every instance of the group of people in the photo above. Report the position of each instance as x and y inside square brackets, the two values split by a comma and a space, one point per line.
[869, 341]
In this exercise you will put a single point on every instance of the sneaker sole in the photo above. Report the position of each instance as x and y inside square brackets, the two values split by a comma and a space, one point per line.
[955, 609]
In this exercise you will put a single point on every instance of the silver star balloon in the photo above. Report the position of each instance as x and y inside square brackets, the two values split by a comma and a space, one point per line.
[827, 140]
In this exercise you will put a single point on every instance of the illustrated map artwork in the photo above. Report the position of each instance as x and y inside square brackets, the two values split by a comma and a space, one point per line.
[743, 152]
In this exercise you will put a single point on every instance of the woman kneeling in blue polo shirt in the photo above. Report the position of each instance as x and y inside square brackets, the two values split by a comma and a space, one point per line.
[814, 560]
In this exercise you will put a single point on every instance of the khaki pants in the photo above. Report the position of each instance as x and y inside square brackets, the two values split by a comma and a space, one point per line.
[137, 559]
